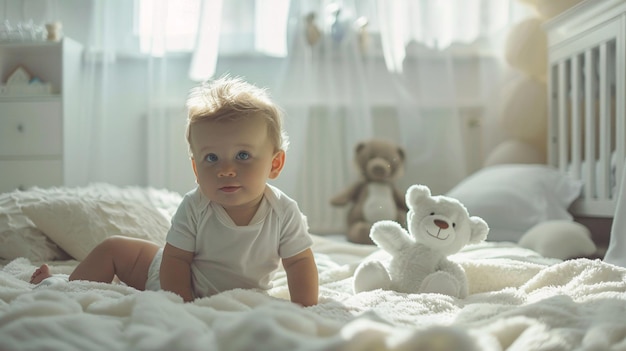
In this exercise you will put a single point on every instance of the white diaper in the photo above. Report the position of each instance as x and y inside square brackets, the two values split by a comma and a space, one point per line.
[153, 283]
[53, 280]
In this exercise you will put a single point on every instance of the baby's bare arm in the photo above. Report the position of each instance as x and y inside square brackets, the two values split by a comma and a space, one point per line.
[175, 272]
[302, 278]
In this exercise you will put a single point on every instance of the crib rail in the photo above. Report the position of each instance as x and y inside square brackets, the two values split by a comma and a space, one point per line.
[586, 128]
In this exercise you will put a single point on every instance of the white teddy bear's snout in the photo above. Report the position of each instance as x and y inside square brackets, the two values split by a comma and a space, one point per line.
[438, 227]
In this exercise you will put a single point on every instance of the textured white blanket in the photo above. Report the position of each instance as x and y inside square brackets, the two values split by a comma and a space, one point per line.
[518, 301]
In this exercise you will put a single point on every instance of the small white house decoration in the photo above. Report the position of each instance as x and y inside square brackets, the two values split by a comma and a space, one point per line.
[21, 82]
[19, 76]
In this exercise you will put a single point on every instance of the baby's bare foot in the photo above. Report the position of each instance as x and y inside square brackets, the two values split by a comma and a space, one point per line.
[40, 274]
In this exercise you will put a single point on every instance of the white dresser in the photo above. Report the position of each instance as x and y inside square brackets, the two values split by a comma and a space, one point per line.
[35, 128]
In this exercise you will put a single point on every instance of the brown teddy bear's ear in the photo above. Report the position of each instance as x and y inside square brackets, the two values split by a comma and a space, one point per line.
[480, 229]
[359, 147]
[401, 153]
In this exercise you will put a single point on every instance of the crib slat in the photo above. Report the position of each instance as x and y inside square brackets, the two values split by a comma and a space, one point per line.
[589, 178]
[605, 138]
[552, 116]
[563, 123]
[620, 104]
[576, 119]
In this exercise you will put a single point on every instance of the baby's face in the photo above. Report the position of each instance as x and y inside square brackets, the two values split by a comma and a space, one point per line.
[233, 160]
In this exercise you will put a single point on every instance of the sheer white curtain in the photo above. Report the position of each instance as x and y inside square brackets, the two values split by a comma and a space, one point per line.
[90, 155]
[419, 72]
[407, 70]
[204, 58]
[130, 78]
[445, 58]
[141, 58]
[325, 91]
[439, 25]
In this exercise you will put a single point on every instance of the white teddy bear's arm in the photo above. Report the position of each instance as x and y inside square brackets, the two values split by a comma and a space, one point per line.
[390, 236]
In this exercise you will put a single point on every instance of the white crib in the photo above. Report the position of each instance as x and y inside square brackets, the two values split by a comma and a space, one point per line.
[587, 112]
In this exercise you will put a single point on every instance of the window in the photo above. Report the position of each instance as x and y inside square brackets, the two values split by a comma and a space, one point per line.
[167, 26]
[247, 26]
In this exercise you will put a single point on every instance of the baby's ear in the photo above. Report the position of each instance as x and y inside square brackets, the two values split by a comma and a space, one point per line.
[278, 162]
[193, 165]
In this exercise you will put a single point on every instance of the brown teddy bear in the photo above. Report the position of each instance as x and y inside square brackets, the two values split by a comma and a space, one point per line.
[374, 197]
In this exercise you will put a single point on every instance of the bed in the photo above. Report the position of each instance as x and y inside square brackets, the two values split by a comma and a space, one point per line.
[520, 299]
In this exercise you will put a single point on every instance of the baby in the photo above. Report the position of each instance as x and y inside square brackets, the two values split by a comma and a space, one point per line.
[234, 229]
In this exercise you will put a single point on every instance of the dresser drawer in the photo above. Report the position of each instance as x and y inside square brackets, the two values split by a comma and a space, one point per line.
[31, 128]
[20, 174]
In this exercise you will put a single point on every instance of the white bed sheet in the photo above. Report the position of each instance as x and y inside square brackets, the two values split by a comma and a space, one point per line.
[518, 301]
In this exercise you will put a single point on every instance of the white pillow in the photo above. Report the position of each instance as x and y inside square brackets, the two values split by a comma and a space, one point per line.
[77, 225]
[19, 237]
[560, 239]
[31, 243]
[512, 198]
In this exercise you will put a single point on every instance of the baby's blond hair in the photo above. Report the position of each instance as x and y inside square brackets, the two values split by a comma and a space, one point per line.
[232, 98]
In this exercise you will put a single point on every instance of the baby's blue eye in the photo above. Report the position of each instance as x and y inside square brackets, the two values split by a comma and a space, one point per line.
[210, 158]
[242, 155]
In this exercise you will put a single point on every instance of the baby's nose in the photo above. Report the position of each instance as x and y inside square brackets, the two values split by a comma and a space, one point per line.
[227, 170]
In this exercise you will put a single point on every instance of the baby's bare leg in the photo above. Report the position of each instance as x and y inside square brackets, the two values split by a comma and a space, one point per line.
[127, 258]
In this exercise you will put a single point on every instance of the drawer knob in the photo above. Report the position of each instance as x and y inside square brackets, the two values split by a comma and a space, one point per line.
[20, 128]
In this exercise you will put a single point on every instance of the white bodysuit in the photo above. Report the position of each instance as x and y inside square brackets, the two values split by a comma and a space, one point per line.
[227, 256]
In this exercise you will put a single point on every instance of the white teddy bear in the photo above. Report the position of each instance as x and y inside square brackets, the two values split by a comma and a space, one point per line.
[439, 226]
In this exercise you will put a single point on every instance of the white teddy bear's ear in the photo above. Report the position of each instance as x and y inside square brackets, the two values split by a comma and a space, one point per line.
[480, 229]
[416, 192]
